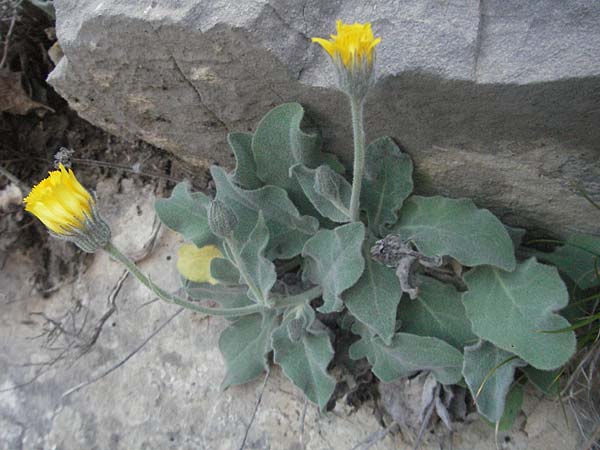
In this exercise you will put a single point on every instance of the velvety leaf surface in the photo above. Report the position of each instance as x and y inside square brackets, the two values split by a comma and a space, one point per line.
[224, 271]
[245, 345]
[334, 261]
[510, 309]
[579, 259]
[387, 183]
[245, 169]
[445, 226]
[438, 312]
[226, 296]
[334, 205]
[288, 230]
[187, 214]
[305, 362]
[279, 143]
[480, 367]
[408, 354]
[375, 297]
[255, 270]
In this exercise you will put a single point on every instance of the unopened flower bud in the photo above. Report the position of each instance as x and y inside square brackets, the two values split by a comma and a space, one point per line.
[221, 219]
[326, 183]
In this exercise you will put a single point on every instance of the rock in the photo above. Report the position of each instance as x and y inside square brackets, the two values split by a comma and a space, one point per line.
[496, 100]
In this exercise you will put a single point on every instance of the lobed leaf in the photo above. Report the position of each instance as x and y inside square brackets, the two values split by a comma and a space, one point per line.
[245, 345]
[333, 206]
[387, 183]
[489, 373]
[334, 261]
[187, 214]
[438, 312]
[279, 143]
[288, 230]
[304, 362]
[407, 354]
[579, 259]
[375, 297]
[245, 170]
[511, 310]
[445, 226]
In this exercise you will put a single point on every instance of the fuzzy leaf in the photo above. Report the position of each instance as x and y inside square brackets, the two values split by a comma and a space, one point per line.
[187, 214]
[245, 345]
[545, 380]
[245, 169]
[332, 205]
[437, 312]
[375, 297]
[279, 143]
[334, 261]
[512, 309]
[445, 226]
[484, 366]
[255, 270]
[288, 230]
[579, 259]
[408, 354]
[305, 362]
[224, 271]
[387, 183]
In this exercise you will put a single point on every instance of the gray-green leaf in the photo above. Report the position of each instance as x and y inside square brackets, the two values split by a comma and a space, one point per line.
[438, 312]
[279, 143]
[387, 183]
[334, 261]
[375, 297]
[445, 226]
[288, 230]
[226, 296]
[512, 310]
[305, 362]
[224, 271]
[187, 214]
[245, 169]
[408, 354]
[489, 372]
[245, 345]
[579, 259]
[256, 271]
[332, 203]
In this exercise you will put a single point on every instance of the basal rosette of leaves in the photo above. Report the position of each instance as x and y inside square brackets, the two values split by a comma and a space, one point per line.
[425, 284]
[291, 203]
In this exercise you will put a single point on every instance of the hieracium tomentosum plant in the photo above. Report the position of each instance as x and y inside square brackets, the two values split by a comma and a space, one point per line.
[425, 284]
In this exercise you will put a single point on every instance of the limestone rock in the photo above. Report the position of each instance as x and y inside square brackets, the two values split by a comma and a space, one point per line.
[496, 100]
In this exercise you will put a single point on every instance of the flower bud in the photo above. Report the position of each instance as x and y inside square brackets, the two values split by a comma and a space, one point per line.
[221, 219]
[326, 183]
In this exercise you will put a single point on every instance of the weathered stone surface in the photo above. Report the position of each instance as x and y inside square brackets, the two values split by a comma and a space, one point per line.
[497, 100]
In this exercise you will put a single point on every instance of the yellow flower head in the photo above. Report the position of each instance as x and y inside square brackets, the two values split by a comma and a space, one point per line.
[194, 263]
[353, 44]
[60, 202]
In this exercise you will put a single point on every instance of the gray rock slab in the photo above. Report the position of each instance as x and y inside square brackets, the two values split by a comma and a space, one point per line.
[497, 100]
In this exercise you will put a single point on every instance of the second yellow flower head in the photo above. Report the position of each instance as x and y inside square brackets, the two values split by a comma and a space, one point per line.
[353, 44]
[60, 202]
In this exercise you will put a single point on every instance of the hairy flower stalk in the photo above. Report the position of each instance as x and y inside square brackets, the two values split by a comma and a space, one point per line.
[69, 211]
[352, 50]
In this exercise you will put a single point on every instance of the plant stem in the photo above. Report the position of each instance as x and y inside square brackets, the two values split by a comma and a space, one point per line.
[281, 302]
[356, 105]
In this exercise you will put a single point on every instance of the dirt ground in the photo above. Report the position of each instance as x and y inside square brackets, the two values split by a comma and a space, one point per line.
[67, 316]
